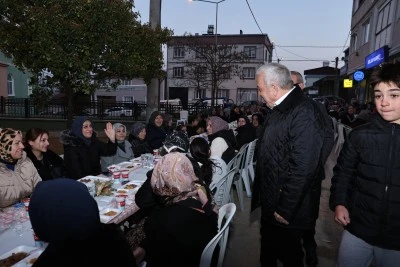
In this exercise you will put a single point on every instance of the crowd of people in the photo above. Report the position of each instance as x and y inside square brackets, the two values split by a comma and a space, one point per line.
[295, 137]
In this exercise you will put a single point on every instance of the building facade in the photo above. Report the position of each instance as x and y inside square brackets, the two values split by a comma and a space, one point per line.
[375, 39]
[237, 84]
[13, 82]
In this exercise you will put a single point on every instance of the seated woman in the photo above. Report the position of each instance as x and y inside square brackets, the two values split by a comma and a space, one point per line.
[63, 213]
[167, 123]
[137, 138]
[185, 221]
[155, 132]
[48, 164]
[124, 150]
[18, 175]
[82, 149]
[221, 138]
[200, 152]
[257, 120]
[245, 132]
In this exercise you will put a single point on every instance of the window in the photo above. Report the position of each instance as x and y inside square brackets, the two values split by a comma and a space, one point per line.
[201, 52]
[365, 32]
[179, 52]
[223, 93]
[10, 85]
[353, 43]
[200, 93]
[246, 94]
[383, 27]
[249, 73]
[177, 72]
[250, 51]
[29, 86]
[128, 99]
[126, 82]
[357, 4]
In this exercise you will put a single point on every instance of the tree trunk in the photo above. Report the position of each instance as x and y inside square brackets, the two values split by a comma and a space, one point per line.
[70, 95]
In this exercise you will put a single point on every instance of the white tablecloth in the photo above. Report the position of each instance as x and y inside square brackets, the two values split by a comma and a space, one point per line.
[9, 238]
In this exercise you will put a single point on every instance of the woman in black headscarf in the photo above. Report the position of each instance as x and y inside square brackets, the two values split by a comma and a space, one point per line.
[155, 133]
[82, 149]
[63, 213]
[245, 132]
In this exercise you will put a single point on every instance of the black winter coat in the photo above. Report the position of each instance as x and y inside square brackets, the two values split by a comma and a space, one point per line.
[288, 166]
[246, 134]
[52, 165]
[82, 160]
[140, 147]
[367, 182]
[155, 136]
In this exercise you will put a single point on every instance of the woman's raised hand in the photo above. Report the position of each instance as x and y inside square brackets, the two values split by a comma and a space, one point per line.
[110, 132]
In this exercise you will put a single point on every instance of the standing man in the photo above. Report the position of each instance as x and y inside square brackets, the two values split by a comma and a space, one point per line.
[287, 183]
[309, 244]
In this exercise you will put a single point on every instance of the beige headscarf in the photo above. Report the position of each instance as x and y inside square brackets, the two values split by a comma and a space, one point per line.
[173, 176]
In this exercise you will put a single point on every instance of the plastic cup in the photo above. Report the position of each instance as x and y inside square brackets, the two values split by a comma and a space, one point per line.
[117, 175]
[125, 174]
[120, 201]
[26, 203]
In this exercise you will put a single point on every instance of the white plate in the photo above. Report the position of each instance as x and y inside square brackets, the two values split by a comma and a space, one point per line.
[26, 262]
[138, 159]
[106, 218]
[25, 249]
[134, 190]
[94, 178]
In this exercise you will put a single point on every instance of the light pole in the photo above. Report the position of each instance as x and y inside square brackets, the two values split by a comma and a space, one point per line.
[214, 75]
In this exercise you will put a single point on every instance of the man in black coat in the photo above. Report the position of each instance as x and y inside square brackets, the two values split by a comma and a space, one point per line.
[287, 183]
[309, 244]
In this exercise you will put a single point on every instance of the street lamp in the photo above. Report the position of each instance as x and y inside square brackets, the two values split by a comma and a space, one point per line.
[214, 75]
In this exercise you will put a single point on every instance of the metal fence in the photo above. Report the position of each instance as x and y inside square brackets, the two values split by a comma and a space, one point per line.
[101, 110]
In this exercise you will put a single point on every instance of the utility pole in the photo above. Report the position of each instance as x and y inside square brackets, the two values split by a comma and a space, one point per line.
[337, 83]
[153, 89]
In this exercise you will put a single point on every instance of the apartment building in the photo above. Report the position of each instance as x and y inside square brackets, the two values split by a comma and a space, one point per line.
[238, 85]
[375, 38]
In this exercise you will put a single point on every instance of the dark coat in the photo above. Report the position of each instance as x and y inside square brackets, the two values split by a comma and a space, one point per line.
[366, 181]
[52, 165]
[289, 162]
[81, 159]
[155, 136]
[107, 248]
[246, 134]
[177, 234]
[139, 147]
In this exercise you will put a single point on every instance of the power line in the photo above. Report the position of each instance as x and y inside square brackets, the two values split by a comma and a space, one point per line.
[254, 17]
[312, 46]
[294, 53]
[345, 44]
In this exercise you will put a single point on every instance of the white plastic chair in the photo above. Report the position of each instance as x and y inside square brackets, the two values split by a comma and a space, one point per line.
[237, 181]
[223, 189]
[183, 117]
[247, 171]
[220, 169]
[225, 212]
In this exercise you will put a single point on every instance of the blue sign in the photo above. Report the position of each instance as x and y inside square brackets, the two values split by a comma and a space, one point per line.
[358, 75]
[376, 58]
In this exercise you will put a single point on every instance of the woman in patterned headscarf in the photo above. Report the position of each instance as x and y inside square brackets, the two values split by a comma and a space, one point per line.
[18, 175]
[185, 216]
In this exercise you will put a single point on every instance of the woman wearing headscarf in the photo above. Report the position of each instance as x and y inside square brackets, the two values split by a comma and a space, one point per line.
[167, 123]
[155, 133]
[222, 139]
[63, 213]
[48, 164]
[124, 150]
[18, 175]
[245, 131]
[137, 138]
[184, 222]
[82, 149]
[257, 120]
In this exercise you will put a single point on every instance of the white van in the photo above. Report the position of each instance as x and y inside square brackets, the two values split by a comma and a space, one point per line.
[175, 101]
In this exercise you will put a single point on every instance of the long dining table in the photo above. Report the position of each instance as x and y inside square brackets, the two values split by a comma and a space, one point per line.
[9, 238]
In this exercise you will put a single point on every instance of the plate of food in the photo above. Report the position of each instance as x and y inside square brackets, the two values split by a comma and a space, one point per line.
[131, 187]
[108, 214]
[30, 260]
[15, 255]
